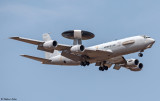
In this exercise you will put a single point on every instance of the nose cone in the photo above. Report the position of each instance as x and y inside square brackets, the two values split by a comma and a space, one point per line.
[151, 41]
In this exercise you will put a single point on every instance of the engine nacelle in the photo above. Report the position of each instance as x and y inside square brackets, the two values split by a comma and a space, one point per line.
[132, 62]
[138, 68]
[77, 48]
[50, 44]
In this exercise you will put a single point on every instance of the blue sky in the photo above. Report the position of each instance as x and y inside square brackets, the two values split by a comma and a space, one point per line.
[28, 80]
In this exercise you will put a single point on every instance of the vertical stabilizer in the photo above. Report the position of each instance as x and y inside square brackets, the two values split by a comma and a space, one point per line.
[46, 37]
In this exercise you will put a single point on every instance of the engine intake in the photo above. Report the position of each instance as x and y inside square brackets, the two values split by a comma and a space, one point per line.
[50, 44]
[138, 68]
[132, 62]
[77, 48]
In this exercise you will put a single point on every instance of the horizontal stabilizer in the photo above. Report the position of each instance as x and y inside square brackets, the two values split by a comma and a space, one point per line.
[35, 42]
[37, 58]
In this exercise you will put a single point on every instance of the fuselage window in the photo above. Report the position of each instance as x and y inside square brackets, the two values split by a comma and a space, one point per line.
[110, 46]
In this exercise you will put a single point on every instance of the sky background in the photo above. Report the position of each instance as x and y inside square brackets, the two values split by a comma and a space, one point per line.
[29, 80]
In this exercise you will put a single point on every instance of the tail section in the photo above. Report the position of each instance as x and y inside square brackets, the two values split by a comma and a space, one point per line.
[37, 58]
[46, 37]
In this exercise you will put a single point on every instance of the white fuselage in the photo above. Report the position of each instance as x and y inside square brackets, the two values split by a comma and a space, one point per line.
[118, 48]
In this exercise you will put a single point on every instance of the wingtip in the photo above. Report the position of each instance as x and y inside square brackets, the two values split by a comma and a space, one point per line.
[10, 38]
[13, 37]
[22, 55]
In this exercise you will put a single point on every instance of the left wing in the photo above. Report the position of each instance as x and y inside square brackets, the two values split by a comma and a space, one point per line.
[115, 60]
[118, 60]
[92, 54]
[96, 53]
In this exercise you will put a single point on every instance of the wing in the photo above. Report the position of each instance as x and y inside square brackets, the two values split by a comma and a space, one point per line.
[31, 41]
[71, 56]
[92, 54]
[59, 47]
[97, 53]
[115, 60]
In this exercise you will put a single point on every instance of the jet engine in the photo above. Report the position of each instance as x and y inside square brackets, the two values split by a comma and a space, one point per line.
[138, 68]
[132, 63]
[77, 48]
[50, 44]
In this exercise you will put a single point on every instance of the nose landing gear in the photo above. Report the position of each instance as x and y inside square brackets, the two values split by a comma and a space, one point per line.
[140, 54]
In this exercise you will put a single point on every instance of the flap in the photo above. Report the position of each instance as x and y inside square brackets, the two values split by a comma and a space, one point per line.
[117, 66]
[71, 56]
[117, 60]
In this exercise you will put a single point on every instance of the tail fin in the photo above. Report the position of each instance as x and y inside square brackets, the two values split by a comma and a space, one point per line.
[46, 37]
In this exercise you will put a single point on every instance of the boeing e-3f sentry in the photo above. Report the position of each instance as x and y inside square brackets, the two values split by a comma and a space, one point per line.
[103, 55]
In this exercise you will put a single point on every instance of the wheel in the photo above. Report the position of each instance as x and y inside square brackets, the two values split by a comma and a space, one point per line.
[101, 68]
[83, 64]
[87, 63]
[140, 54]
[105, 68]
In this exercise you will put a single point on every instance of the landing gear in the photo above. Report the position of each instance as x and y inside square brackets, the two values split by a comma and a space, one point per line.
[103, 68]
[140, 54]
[85, 63]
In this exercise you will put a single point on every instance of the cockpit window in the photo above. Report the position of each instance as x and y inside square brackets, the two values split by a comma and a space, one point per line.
[146, 37]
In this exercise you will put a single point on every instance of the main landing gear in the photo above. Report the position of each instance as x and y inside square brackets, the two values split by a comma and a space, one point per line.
[103, 68]
[85, 63]
[140, 54]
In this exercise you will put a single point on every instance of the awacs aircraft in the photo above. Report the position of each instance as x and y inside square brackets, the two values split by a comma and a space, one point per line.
[103, 55]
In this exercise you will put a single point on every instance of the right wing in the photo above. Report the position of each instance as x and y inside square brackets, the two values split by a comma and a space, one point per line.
[62, 47]
[31, 41]
[59, 47]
